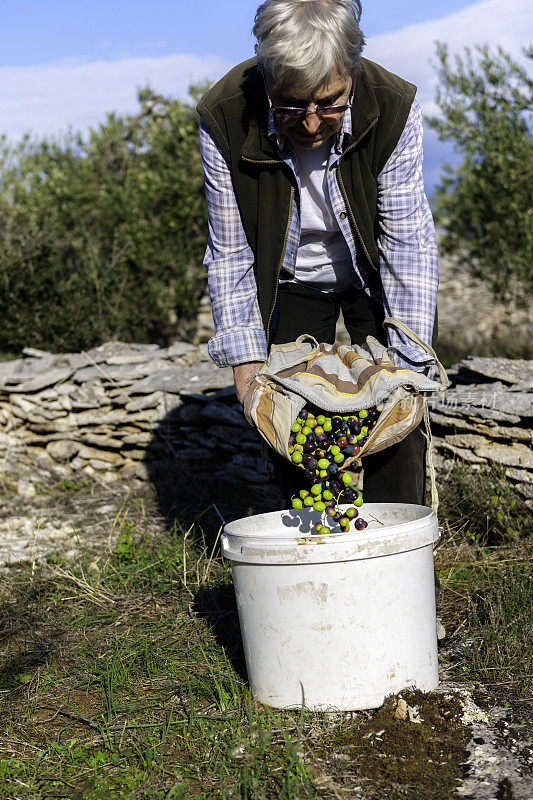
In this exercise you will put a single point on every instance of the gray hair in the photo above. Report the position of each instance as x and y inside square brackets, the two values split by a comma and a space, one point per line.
[305, 42]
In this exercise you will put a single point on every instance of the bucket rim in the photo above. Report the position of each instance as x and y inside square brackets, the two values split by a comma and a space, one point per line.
[305, 547]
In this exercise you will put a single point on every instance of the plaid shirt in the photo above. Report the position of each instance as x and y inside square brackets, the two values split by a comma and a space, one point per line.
[406, 243]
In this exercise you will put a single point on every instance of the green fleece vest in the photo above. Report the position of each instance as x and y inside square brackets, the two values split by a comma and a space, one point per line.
[235, 110]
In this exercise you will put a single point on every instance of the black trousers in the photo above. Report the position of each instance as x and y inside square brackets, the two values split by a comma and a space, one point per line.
[396, 474]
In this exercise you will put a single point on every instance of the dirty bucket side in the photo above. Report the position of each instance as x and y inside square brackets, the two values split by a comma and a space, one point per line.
[346, 632]
[344, 635]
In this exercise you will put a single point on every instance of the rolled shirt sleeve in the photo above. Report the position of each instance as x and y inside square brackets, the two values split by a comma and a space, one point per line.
[407, 246]
[239, 334]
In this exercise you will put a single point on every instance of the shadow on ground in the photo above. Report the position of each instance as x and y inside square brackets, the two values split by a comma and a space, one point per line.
[196, 491]
[195, 497]
[218, 607]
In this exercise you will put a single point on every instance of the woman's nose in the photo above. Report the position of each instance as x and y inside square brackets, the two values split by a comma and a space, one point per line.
[311, 121]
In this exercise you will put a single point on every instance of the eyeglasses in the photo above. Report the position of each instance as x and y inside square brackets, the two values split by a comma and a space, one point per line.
[294, 114]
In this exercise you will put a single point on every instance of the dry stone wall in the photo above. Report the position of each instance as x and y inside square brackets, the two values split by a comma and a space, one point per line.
[486, 417]
[121, 407]
[472, 321]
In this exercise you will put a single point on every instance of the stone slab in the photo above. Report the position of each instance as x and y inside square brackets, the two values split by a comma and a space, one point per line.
[464, 455]
[456, 423]
[147, 401]
[63, 449]
[118, 395]
[22, 404]
[521, 475]
[135, 455]
[103, 441]
[30, 437]
[87, 452]
[87, 373]
[525, 489]
[137, 438]
[508, 370]
[178, 349]
[169, 403]
[35, 353]
[517, 455]
[177, 379]
[488, 428]
[48, 377]
[108, 416]
[10, 367]
[98, 464]
[104, 351]
[490, 401]
[64, 424]
[468, 440]
[509, 433]
[128, 372]
[452, 409]
[130, 358]
[41, 414]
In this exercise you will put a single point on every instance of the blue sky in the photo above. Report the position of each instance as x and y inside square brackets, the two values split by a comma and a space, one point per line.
[36, 31]
[65, 63]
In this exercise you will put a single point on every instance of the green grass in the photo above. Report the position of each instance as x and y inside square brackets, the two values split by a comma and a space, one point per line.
[483, 505]
[486, 603]
[116, 688]
[123, 677]
[485, 567]
[127, 681]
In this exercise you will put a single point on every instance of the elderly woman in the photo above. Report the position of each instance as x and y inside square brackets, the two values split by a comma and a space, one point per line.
[313, 174]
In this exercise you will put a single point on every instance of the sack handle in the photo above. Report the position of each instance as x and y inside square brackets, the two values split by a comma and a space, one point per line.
[396, 323]
[305, 337]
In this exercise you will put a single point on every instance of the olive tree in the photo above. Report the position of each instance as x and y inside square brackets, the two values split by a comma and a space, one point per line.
[103, 235]
[484, 204]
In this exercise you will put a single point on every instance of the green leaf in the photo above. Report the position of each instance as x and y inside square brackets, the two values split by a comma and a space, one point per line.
[103, 236]
[483, 203]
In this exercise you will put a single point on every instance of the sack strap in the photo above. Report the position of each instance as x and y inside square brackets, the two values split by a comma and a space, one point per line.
[431, 465]
[396, 323]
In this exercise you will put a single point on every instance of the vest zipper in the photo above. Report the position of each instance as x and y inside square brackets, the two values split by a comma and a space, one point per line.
[280, 266]
[341, 184]
[261, 162]
[343, 190]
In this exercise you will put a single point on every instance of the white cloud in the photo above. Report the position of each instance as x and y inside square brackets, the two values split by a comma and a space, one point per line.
[48, 98]
[408, 51]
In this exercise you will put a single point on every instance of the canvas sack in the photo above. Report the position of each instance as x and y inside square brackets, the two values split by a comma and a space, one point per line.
[341, 379]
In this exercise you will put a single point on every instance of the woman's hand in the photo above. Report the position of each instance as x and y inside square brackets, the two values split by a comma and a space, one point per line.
[243, 375]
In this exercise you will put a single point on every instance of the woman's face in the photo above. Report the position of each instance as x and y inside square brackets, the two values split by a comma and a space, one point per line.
[310, 130]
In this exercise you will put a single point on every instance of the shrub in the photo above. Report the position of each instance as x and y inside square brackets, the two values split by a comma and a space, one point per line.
[483, 504]
[103, 236]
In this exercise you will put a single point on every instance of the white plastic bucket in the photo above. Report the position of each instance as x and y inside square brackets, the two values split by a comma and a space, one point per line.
[347, 619]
